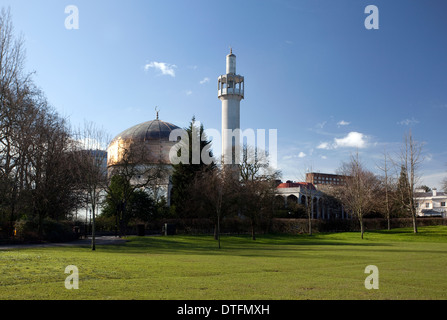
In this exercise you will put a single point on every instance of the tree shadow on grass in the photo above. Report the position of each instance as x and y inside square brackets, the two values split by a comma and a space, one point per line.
[240, 245]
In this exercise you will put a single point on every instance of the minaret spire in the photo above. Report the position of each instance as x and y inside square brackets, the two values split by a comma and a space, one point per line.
[231, 92]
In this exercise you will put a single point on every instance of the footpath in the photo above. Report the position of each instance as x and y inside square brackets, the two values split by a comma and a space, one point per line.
[104, 240]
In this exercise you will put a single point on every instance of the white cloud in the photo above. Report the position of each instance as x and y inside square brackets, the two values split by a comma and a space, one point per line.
[163, 67]
[205, 80]
[353, 139]
[324, 145]
[408, 122]
[321, 124]
[188, 92]
[300, 155]
[343, 123]
[323, 157]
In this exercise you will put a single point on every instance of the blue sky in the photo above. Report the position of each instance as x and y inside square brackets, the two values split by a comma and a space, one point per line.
[312, 71]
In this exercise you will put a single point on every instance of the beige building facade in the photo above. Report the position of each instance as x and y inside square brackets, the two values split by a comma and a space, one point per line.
[430, 204]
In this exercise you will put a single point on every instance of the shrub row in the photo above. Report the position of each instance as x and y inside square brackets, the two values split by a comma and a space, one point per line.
[286, 226]
[52, 231]
[62, 231]
[294, 226]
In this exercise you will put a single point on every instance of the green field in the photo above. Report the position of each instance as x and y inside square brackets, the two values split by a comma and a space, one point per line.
[322, 266]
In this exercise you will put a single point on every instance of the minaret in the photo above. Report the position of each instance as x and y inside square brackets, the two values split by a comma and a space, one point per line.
[230, 91]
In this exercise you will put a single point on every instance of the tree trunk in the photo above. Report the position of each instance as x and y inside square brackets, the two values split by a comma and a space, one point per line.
[387, 202]
[11, 217]
[309, 210]
[40, 225]
[215, 231]
[415, 227]
[361, 227]
[93, 230]
[253, 236]
[218, 230]
[310, 225]
[122, 219]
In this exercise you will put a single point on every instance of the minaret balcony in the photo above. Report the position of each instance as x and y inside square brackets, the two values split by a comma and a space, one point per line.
[230, 91]
[230, 84]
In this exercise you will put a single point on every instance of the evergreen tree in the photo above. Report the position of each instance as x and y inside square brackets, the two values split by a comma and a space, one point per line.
[184, 173]
[403, 192]
[138, 203]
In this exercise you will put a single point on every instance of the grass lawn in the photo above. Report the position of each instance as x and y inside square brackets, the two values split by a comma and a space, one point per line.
[322, 266]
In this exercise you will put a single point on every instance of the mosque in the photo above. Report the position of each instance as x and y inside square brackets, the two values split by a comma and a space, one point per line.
[151, 138]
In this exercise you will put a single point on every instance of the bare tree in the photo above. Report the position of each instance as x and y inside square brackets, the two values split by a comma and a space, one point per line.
[92, 157]
[12, 55]
[257, 185]
[136, 172]
[36, 149]
[309, 193]
[13, 92]
[216, 189]
[52, 168]
[35, 157]
[359, 192]
[385, 168]
[409, 161]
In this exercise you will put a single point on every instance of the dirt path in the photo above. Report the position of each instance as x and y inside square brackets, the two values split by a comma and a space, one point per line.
[82, 242]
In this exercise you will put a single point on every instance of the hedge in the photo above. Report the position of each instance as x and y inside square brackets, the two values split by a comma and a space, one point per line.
[294, 226]
[52, 231]
[240, 225]
[62, 231]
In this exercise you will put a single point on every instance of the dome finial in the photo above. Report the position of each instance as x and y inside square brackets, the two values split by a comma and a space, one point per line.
[156, 110]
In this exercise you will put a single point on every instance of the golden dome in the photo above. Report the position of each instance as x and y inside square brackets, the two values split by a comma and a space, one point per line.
[146, 143]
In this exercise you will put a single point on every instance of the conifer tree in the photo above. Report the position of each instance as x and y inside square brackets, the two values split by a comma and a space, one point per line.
[184, 173]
